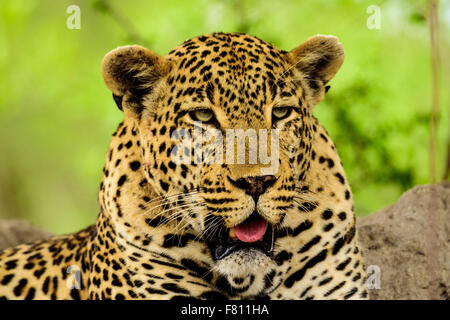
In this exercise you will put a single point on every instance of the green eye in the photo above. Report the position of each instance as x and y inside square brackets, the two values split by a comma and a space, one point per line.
[281, 113]
[203, 115]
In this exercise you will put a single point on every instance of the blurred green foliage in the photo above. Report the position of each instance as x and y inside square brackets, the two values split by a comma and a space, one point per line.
[57, 117]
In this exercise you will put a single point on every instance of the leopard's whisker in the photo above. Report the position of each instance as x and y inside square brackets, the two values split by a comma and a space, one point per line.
[187, 197]
[167, 199]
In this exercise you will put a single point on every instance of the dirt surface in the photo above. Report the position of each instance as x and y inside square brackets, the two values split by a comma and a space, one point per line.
[13, 232]
[408, 243]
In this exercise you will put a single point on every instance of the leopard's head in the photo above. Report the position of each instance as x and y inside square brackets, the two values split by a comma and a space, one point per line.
[225, 124]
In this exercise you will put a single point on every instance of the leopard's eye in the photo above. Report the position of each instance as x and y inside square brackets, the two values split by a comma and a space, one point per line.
[203, 115]
[281, 113]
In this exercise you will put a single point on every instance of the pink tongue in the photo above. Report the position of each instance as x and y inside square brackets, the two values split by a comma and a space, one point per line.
[251, 230]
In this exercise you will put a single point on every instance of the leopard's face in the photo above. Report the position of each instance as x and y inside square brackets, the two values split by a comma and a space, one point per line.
[192, 109]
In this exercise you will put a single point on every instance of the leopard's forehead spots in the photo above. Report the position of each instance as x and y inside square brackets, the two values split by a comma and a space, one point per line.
[238, 73]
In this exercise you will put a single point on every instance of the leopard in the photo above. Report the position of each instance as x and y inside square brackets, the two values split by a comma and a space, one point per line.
[178, 221]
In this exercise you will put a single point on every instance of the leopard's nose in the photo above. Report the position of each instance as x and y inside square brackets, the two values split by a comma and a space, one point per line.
[254, 186]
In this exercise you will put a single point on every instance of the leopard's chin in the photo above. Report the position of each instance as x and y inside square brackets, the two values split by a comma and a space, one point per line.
[243, 255]
[247, 271]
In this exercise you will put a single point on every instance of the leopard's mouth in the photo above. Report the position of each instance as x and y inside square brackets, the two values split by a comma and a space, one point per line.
[254, 232]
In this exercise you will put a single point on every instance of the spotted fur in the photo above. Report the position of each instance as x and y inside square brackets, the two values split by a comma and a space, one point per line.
[150, 239]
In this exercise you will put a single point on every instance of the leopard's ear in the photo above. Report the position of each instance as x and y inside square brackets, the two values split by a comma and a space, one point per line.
[317, 59]
[131, 72]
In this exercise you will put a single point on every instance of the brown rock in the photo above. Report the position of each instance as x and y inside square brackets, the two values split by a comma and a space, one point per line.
[14, 232]
[410, 242]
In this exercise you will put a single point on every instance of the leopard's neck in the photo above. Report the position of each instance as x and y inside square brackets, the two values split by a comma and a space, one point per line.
[129, 224]
[126, 196]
